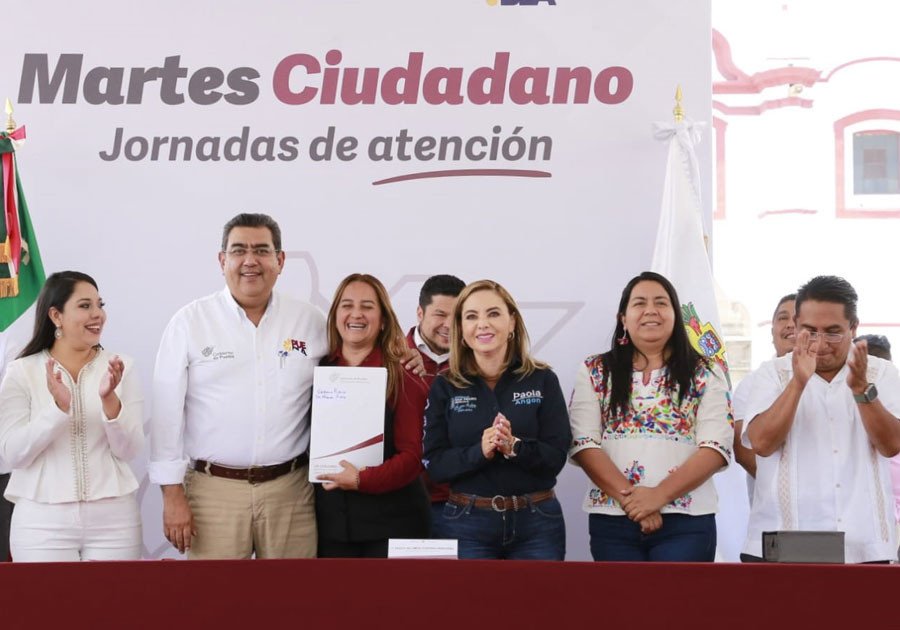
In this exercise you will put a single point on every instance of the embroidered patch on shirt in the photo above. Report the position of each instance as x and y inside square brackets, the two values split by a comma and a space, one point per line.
[209, 352]
[288, 346]
[462, 404]
[532, 397]
[294, 345]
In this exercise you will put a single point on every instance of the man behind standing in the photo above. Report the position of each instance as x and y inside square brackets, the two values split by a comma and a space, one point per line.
[823, 421]
[231, 409]
[431, 337]
[783, 334]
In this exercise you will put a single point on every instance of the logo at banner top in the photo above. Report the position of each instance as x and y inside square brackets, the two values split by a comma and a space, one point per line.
[520, 3]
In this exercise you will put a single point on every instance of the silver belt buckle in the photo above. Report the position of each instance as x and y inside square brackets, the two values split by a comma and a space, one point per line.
[501, 499]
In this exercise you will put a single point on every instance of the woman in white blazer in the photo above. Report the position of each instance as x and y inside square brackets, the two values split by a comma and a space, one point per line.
[71, 417]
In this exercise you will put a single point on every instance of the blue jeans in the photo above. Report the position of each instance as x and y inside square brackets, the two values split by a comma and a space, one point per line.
[536, 532]
[682, 538]
[437, 520]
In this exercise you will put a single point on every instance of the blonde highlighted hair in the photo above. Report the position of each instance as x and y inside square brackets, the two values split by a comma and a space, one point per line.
[518, 350]
[390, 340]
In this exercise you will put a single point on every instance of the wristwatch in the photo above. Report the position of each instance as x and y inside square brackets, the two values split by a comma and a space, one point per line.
[514, 450]
[869, 395]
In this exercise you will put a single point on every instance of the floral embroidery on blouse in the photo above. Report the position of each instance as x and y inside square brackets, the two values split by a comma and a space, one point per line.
[581, 440]
[654, 410]
[684, 501]
[724, 448]
[633, 473]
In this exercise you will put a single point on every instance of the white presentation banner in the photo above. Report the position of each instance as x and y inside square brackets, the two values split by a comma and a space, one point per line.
[487, 139]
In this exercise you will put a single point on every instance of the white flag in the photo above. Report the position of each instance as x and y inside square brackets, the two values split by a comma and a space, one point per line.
[680, 253]
[681, 256]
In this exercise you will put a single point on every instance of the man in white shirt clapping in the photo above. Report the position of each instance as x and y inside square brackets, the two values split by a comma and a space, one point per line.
[823, 422]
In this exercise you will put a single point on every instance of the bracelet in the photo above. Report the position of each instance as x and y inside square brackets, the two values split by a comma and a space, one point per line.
[357, 479]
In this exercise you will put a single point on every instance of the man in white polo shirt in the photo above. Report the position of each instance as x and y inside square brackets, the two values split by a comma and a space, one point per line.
[823, 422]
[231, 408]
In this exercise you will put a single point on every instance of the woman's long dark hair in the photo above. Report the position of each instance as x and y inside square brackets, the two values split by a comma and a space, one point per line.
[680, 357]
[57, 290]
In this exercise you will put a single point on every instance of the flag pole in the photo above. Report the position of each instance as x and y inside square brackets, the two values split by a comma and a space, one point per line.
[678, 111]
[8, 288]
[10, 123]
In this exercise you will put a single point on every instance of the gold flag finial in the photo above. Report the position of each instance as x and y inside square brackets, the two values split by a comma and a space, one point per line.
[679, 110]
[10, 123]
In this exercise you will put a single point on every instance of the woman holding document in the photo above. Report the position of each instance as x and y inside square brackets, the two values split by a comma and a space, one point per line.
[496, 429]
[358, 510]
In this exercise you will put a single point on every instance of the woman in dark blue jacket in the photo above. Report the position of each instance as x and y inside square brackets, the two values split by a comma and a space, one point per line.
[497, 429]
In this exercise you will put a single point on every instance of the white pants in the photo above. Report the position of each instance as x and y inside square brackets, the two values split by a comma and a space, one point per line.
[106, 529]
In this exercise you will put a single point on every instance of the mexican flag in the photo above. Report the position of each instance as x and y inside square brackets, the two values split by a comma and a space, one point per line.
[21, 271]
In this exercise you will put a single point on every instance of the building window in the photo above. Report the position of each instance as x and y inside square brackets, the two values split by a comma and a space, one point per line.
[876, 168]
[867, 164]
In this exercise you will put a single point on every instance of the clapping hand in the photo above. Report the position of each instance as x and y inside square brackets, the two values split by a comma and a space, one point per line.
[858, 362]
[803, 359]
[112, 378]
[61, 394]
[503, 437]
[108, 383]
[488, 442]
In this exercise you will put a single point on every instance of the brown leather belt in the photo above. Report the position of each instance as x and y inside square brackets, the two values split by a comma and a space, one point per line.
[254, 474]
[500, 503]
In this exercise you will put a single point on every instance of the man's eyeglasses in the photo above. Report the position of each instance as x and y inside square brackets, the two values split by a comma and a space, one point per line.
[826, 337]
[258, 252]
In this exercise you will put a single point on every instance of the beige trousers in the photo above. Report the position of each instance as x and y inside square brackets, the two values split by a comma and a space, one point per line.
[236, 519]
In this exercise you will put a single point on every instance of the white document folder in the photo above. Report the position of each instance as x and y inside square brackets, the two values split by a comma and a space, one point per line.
[347, 418]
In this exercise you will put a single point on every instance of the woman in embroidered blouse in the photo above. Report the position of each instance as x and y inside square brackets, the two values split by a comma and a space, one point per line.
[651, 423]
[71, 417]
[358, 510]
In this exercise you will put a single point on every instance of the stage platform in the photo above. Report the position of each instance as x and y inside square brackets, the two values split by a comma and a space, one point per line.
[407, 594]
